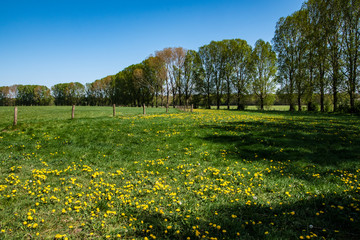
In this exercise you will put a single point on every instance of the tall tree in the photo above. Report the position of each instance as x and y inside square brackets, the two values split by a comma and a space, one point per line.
[155, 75]
[351, 46]
[173, 59]
[229, 68]
[207, 86]
[179, 55]
[285, 44]
[265, 69]
[243, 68]
[290, 44]
[334, 21]
[319, 42]
[192, 71]
[68, 93]
[218, 58]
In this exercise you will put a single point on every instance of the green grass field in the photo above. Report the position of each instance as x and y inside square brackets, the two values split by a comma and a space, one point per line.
[208, 174]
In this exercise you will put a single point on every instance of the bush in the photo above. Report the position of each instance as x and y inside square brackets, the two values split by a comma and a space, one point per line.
[328, 107]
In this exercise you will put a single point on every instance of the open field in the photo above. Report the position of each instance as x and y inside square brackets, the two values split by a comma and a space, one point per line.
[208, 174]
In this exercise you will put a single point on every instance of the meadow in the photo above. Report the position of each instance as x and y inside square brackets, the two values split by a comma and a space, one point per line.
[210, 174]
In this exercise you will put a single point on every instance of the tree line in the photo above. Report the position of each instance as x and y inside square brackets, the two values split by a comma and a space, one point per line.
[313, 60]
[318, 49]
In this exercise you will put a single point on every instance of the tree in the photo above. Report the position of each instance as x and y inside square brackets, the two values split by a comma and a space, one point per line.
[285, 44]
[68, 93]
[229, 69]
[166, 57]
[206, 87]
[319, 42]
[155, 75]
[243, 68]
[291, 45]
[218, 59]
[351, 47]
[265, 69]
[192, 74]
[174, 59]
[7, 95]
[100, 92]
[334, 21]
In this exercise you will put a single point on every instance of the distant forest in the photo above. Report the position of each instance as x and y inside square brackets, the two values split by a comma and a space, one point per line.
[313, 60]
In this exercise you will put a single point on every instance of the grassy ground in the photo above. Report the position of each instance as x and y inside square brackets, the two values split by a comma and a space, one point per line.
[208, 174]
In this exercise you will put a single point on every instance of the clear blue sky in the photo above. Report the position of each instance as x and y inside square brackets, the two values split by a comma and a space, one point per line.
[56, 41]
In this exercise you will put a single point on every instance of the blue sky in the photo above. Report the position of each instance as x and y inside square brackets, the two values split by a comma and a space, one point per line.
[57, 41]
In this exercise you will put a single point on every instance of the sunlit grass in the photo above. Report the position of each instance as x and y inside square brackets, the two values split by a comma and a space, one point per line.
[208, 174]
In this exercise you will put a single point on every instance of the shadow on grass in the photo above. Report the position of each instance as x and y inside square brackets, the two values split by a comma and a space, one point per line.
[316, 141]
[322, 216]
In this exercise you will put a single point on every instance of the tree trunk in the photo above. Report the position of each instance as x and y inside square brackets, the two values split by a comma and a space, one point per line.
[292, 107]
[156, 101]
[335, 97]
[352, 100]
[173, 100]
[322, 90]
[208, 99]
[162, 98]
[228, 94]
[322, 97]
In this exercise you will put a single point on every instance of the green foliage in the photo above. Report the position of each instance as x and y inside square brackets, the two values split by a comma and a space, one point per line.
[264, 82]
[32, 95]
[100, 92]
[68, 93]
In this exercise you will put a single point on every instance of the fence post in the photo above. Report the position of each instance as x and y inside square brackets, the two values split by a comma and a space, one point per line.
[15, 116]
[114, 110]
[73, 112]
[144, 111]
[192, 107]
[167, 107]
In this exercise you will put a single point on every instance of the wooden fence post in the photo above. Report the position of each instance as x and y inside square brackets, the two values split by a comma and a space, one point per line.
[192, 107]
[167, 107]
[73, 112]
[15, 116]
[114, 110]
[144, 111]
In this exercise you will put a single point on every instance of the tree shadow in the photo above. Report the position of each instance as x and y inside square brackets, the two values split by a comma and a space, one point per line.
[296, 140]
[328, 216]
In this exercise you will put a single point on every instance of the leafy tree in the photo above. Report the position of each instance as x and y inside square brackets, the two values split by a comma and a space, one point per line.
[207, 86]
[155, 76]
[218, 58]
[285, 44]
[100, 92]
[291, 45]
[192, 74]
[334, 21]
[174, 59]
[166, 57]
[351, 47]
[243, 68]
[265, 69]
[7, 95]
[68, 93]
